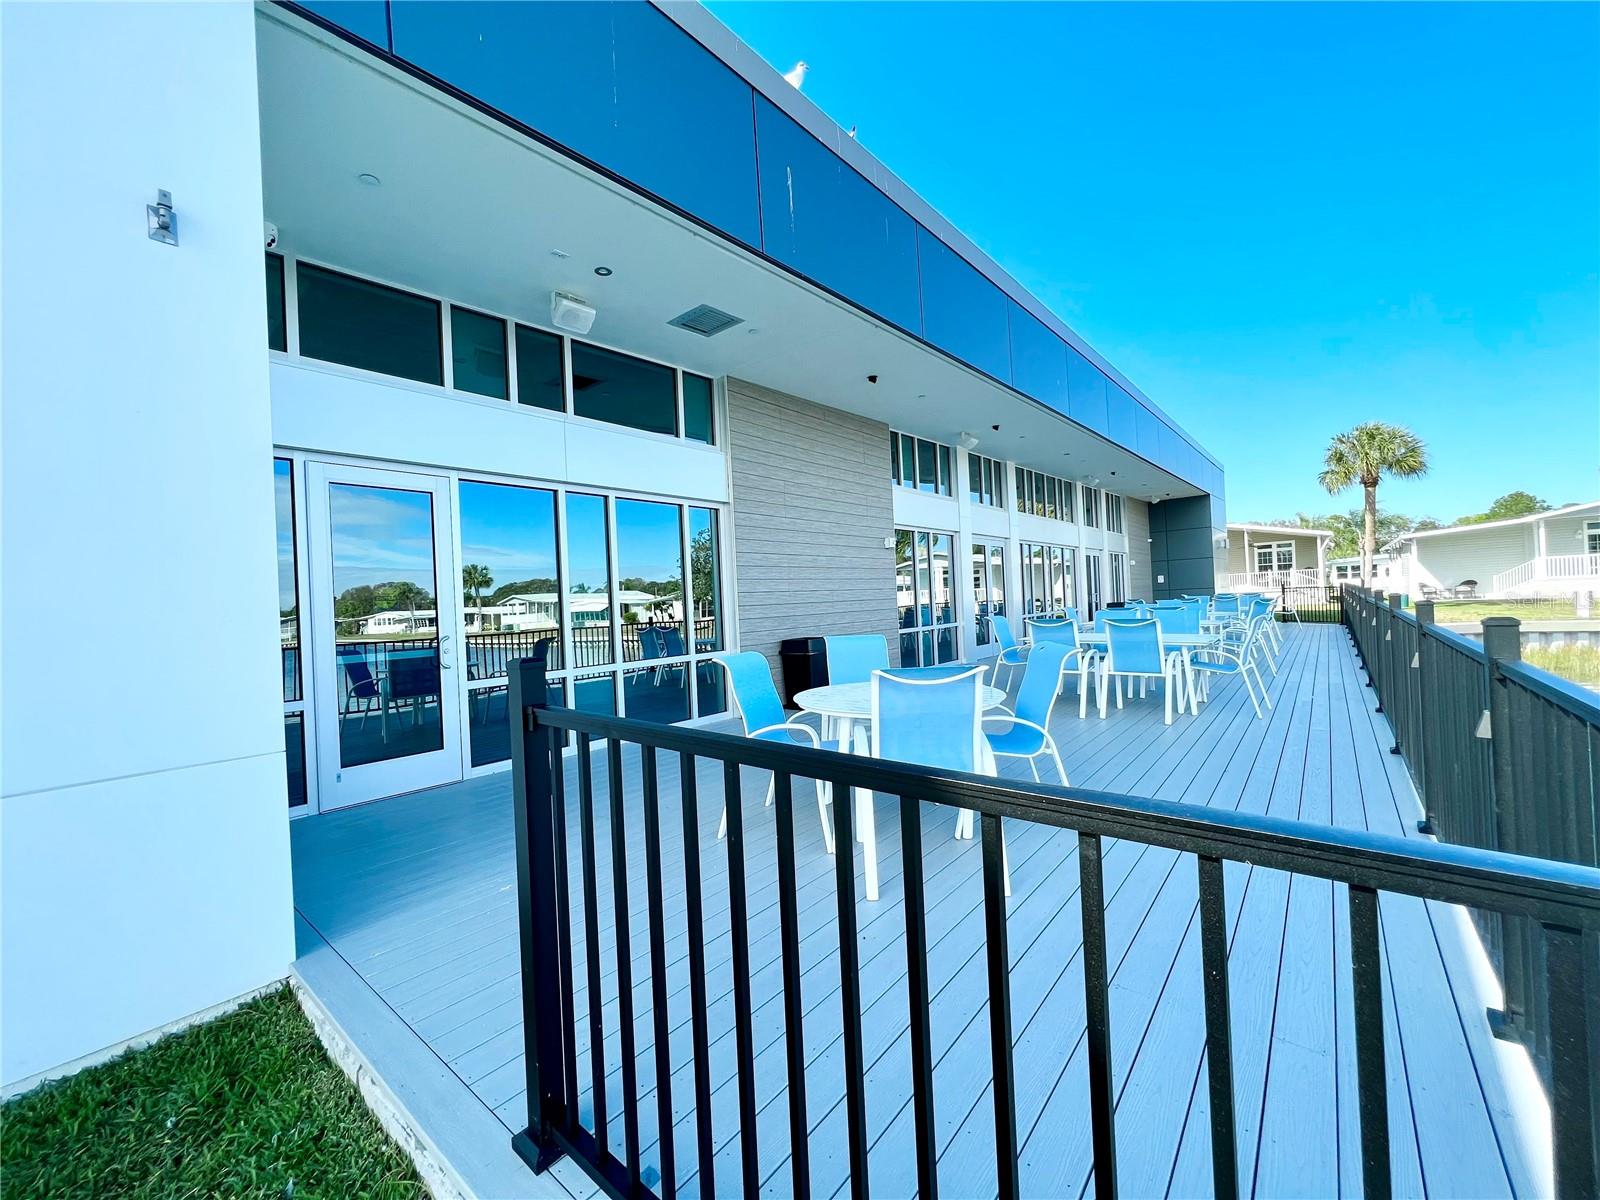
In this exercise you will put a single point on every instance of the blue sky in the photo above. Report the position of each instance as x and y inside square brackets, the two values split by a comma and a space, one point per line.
[1277, 220]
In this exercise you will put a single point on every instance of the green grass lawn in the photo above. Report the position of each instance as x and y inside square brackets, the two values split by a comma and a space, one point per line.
[1580, 664]
[1462, 612]
[246, 1105]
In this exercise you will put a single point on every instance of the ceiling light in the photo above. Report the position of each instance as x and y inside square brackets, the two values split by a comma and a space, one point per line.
[368, 178]
[602, 271]
[968, 441]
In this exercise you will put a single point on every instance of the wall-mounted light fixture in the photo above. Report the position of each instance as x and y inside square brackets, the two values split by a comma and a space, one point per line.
[570, 313]
[163, 221]
[968, 441]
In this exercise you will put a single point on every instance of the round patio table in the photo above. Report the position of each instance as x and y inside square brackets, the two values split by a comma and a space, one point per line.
[842, 706]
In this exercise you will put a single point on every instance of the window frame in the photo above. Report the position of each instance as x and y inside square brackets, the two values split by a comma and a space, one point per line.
[941, 457]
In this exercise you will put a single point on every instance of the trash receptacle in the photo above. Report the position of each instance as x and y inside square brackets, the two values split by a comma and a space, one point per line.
[805, 665]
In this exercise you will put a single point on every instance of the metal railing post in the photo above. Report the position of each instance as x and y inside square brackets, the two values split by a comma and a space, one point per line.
[1502, 643]
[544, 1024]
[1424, 766]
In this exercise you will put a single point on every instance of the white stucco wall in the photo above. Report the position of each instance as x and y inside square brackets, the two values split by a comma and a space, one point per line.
[145, 871]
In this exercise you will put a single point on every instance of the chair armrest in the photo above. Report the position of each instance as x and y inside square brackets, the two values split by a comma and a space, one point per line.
[793, 727]
[1016, 720]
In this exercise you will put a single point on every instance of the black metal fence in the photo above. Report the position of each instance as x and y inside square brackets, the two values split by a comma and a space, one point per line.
[1561, 900]
[1505, 757]
[1307, 604]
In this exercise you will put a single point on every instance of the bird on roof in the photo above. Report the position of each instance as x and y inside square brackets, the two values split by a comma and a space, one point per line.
[796, 75]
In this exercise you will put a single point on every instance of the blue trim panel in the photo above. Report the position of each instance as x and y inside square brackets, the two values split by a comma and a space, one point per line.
[620, 85]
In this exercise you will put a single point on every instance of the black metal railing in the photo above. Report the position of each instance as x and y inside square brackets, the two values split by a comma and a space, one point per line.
[1505, 757]
[592, 646]
[1562, 900]
[1307, 604]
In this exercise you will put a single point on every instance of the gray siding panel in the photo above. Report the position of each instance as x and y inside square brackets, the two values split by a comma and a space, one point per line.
[812, 505]
[1136, 515]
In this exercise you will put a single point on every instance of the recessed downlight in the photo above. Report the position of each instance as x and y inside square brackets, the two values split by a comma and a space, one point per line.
[602, 271]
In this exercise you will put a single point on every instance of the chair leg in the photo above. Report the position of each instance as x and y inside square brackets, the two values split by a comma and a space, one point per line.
[1100, 688]
[772, 790]
[1061, 771]
[1005, 859]
[722, 825]
[1033, 765]
[1166, 693]
[867, 823]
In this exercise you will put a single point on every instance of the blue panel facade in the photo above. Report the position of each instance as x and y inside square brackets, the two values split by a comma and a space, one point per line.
[1121, 416]
[616, 82]
[1038, 359]
[619, 83]
[1086, 393]
[962, 311]
[822, 219]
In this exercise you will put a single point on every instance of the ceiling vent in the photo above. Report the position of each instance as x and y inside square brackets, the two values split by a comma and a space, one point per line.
[705, 320]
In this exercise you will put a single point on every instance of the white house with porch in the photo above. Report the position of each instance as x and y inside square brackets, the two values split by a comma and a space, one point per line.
[1270, 556]
[1554, 553]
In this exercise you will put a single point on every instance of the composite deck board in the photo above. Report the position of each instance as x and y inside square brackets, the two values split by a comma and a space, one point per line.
[418, 895]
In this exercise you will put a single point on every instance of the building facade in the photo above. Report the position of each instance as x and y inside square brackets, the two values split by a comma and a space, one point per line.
[562, 329]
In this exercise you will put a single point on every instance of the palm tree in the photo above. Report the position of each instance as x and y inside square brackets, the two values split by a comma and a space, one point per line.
[1365, 455]
[475, 577]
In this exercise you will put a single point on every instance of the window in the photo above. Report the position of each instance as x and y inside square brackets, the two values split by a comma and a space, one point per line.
[289, 644]
[622, 390]
[1113, 513]
[988, 586]
[1119, 575]
[1274, 556]
[920, 464]
[986, 481]
[277, 324]
[1091, 507]
[477, 353]
[1591, 537]
[1046, 578]
[925, 597]
[510, 600]
[1043, 495]
[541, 370]
[367, 325]
[699, 409]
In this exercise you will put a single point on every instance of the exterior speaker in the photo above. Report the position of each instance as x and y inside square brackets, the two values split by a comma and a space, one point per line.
[570, 313]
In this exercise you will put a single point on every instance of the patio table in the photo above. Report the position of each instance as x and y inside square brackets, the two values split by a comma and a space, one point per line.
[846, 706]
[1186, 643]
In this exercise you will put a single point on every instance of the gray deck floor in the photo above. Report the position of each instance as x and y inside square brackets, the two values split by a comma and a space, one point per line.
[417, 894]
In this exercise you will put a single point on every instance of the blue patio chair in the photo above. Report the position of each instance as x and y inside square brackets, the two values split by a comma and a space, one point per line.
[755, 699]
[1185, 618]
[1224, 603]
[1235, 656]
[1120, 616]
[1012, 653]
[1080, 658]
[853, 658]
[362, 684]
[1025, 731]
[933, 721]
[1136, 651]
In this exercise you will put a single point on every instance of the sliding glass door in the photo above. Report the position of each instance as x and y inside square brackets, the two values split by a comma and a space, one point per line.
[988, 591]
[925, 597]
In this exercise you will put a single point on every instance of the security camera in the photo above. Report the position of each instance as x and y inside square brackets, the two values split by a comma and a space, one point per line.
[271, 232]
[872, 379]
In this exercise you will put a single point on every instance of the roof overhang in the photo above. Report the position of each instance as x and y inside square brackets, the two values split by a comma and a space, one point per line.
[471, 210]
[1570, 510]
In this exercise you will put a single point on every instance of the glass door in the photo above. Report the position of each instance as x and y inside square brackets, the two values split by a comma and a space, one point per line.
[1092, 599]
[988, 591]
[925, 597]
[386, 628]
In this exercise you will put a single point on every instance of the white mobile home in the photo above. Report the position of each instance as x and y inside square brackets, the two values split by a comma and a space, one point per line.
[1545, 554]
[1269, 556]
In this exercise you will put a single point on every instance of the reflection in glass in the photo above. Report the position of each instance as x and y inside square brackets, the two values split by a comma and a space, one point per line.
[711, 683]
[927, 467]
[650, 571]
[908, 649]
[589, 585]
[489, 722]
[366, 325]
[385, 623]
[904, 575]
[294, 752]
[478, 353]
[924, 602]
[659, 694]
[277, 325]
[699, 410]
[944, 604]
[288, 594]
[623, 390]
[705, 579]
[510, 599]
[595, 694]
[541, 370]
